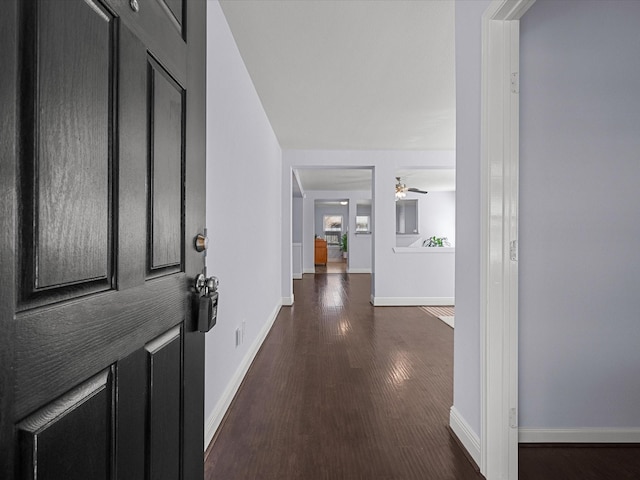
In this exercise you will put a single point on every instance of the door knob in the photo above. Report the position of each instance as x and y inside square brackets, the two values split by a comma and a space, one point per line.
[206, 286]
[201, 242]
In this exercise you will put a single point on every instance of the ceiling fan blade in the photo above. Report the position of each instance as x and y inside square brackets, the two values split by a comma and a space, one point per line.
[415, 190]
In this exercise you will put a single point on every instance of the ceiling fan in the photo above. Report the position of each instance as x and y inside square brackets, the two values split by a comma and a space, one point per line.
[402, 189]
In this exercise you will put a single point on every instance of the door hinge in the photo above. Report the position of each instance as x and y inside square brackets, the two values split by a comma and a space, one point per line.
[515, 82]
[513, 418]
[513, 250]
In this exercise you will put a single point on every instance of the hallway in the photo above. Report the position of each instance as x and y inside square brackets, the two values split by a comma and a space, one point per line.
[340, 390]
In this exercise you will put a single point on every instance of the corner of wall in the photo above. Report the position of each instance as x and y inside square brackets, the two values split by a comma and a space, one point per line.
[469, 439]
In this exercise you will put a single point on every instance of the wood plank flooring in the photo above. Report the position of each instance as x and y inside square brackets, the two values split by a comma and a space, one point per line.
[332, 267]
[579, 462]
[341, 390]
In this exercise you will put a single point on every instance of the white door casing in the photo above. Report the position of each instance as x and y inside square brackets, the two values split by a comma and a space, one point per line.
[499, 223]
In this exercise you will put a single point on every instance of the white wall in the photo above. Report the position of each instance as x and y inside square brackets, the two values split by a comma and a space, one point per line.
[417, 278]
[580, 215]
[466, 362]
[296, 214]
[437, 217]
[437, 211]
[241, 147]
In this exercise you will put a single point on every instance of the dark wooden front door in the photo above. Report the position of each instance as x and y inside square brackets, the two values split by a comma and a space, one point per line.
[102, 161]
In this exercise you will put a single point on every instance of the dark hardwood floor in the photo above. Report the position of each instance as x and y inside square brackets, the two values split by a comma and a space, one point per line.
[331, 267]
[579, 462]
[340, 390]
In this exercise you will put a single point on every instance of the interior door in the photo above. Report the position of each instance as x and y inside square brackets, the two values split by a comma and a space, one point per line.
[102, 162]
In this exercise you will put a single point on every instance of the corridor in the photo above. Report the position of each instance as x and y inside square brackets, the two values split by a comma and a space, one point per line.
[340, 390]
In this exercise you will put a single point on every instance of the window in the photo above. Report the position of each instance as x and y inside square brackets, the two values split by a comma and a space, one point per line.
[363, 216]
[362, 224]
[332, 226]
[407, 217]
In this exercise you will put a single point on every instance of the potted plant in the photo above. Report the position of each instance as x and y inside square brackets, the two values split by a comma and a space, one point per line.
[343, 245]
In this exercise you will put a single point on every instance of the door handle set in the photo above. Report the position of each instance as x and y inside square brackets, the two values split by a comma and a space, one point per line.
[206, 287]
[206, 298]
[206, 302]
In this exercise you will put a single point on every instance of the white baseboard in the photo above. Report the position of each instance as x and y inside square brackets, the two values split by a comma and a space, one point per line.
[359, 270]
[465, 434]
[308, 270]
[214, 420]
[579, 435]
[287, 301]
[297, 276]
[412, 301]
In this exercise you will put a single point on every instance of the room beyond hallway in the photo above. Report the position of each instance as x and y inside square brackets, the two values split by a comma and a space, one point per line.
[343, 390]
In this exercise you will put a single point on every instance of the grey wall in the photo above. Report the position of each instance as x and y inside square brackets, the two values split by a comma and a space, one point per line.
[579, 215]
[466, 362]
[322, 210]
[438, 215]
[296, 220]
[239, 140]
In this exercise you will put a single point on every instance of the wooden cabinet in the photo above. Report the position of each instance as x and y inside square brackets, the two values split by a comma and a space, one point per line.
[321, 252]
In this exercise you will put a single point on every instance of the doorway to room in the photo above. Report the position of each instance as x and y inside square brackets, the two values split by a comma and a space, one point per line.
[331, 226]
[331, 220]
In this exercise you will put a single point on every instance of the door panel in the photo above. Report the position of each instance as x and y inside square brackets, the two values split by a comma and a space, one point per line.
[165, 170]
[62, 345]
[101, 372]
[164, 362]
[66, 135]
[71, 437]
[131, 420]
[175, 9]
[72, 211]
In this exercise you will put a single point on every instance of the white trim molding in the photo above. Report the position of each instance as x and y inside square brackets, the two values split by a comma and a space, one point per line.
[465, 434]
[296, 260]
[219, 411]
[412, 301]
[287, 301]
[308, 270]
[580, 435]
[499, 235]
[358, 270]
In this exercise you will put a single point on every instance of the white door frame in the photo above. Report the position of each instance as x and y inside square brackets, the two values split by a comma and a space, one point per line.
[499, 223]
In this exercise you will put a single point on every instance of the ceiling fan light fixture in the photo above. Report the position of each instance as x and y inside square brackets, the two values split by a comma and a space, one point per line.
[401, 189]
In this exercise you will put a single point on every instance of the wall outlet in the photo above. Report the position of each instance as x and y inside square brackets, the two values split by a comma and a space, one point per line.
[238, 337]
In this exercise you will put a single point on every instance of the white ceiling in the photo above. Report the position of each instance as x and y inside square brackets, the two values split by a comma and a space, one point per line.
[429, 179]
[334, 179]
[357, 74]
